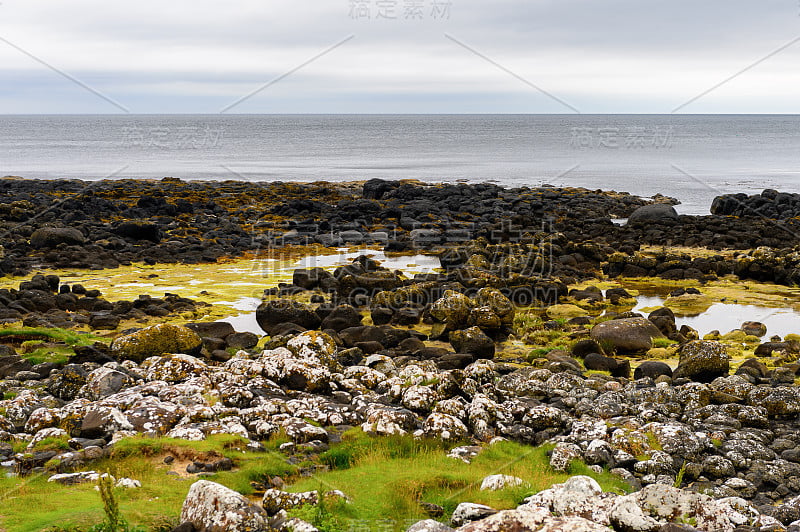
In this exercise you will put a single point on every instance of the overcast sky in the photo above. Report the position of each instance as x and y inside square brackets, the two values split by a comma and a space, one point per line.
[434, 56]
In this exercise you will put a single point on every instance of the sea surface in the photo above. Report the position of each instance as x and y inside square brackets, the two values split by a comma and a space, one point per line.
[691, 157]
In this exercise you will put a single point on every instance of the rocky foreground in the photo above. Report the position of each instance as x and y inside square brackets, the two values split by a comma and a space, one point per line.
[708, 440]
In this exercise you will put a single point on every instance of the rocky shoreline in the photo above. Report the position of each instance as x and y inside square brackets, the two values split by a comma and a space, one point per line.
[511, 340]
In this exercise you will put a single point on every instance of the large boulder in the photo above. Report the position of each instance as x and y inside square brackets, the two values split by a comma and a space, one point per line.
[139, 230]
[212, 507]
[50, 237]
[652, 369]
[627, 335]
[473, 341]
[157, 340]
[104, 381]
[452, 309]
[702, 361]
[658, 212]
[271, 314]
[754, 328]
[499, 303]
[311, 278]
[342, 317]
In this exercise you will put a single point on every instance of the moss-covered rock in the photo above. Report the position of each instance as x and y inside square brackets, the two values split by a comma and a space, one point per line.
[498, 303]
[452, 309]
[689, 304]
[157, 340]
[703, 361]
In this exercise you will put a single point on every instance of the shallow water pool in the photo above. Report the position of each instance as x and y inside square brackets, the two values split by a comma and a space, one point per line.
[725, 317]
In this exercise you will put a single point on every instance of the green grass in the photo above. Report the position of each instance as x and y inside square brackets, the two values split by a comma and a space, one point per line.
[58, 354]
[52, 443]
[385, 478]
[33, 504]
[388, 478]
[228, 445]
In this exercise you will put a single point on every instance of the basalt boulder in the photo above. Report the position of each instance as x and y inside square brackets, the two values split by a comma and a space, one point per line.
[273, 313]
[627, 335]
[702, 361]
[50, 237]
[157, 340]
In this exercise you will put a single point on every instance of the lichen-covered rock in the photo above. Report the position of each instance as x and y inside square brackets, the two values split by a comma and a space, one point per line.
[626, 516]
[157, 340]
[386, 420]
[445, 427]
[52, 432]
[420, 398]
[274, 500]
[484, 318]
[563, 455]
[498, 482]
[104, 381]
[67, 382]
[675, 439]
[302, 431]
[531, 520]
[308, 374]
[103, 421]
[666, 502]
[467, 512]
[174, 368]
[39, 419]
[153, 417]
[702, 361]
[627, 335]
[212, 507]
[315, 346]
[781, 401]
[542, 417]
[429, 525]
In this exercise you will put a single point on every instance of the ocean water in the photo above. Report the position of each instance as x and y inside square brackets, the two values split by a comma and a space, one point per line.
[690, 157]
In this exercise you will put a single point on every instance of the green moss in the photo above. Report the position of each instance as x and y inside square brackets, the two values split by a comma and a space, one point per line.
[43, 333]
[663, 342]
[565, 311]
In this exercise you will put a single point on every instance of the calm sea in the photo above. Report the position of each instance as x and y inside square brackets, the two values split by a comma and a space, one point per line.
[691, 157]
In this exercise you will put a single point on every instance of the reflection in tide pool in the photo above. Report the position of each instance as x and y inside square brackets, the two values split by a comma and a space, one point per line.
[408, 264]
[725, 317]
